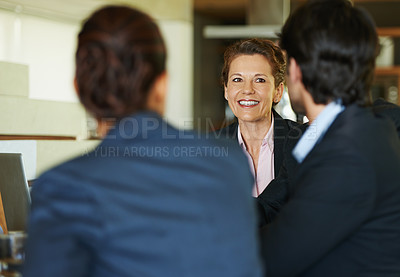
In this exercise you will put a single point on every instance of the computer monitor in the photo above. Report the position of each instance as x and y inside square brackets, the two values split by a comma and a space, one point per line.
[14, 191]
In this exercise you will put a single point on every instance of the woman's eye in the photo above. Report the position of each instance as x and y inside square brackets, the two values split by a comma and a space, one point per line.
[236, 80]
[260, 80]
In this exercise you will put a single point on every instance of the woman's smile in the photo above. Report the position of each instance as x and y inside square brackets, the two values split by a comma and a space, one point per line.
[248, 103]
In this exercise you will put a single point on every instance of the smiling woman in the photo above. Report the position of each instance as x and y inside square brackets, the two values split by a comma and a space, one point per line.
[253, 76]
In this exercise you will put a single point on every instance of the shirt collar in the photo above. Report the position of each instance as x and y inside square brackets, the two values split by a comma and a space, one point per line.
[317, 130]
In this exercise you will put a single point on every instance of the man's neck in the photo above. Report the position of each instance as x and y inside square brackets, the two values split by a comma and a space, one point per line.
[309, 107]
[313, 112]
[312, 109]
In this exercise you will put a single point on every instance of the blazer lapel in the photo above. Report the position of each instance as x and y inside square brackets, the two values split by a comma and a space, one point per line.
[280, 131]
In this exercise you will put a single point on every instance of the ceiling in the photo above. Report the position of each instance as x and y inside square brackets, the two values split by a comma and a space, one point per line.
[76, 10]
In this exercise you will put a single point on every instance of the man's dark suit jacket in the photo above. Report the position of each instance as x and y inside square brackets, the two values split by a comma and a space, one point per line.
[382, 107]
[276, 194]
[342, 217]
[286, 135]
[148, 201]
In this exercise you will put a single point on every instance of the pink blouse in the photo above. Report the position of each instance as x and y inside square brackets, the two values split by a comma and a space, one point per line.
[265, 170]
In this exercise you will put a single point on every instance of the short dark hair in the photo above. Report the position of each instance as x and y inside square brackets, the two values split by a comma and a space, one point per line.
[335, 45]
[120, 53]
[264, 47]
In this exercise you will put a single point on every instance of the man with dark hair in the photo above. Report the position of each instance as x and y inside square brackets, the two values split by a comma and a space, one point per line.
[342, 217]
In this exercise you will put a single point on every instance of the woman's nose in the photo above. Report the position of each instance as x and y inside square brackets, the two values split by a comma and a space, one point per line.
[248, 87]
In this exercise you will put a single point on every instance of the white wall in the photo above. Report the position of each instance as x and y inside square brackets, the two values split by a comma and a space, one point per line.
[48, 48]
[178, 38]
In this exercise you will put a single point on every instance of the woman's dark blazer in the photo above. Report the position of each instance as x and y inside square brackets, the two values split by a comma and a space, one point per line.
[286, 135]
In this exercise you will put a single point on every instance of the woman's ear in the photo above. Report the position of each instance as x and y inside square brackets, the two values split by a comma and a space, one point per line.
[226, 93]
[158, 94]
[278, 93]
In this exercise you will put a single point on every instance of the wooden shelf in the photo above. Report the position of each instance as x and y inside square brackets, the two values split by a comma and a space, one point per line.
[389, 31]
[390, 70]
[35, 137]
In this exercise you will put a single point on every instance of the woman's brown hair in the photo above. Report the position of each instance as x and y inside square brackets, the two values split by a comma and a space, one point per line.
[120, 54]
[263, 47]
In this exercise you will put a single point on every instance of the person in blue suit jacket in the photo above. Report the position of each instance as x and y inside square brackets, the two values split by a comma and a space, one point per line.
[150, 200]
[342, 216]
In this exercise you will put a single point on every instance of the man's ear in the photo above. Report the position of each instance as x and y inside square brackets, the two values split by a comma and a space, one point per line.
[158, 93]
[294, 69]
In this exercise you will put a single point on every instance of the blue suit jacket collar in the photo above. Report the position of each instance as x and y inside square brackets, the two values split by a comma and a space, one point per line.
[139, 126]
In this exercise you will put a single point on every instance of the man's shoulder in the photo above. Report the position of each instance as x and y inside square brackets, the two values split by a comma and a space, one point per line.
[383, 108]
[357, 131]
[356, 120]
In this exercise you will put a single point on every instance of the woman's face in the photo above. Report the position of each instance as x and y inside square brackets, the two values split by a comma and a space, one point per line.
[250, 89]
